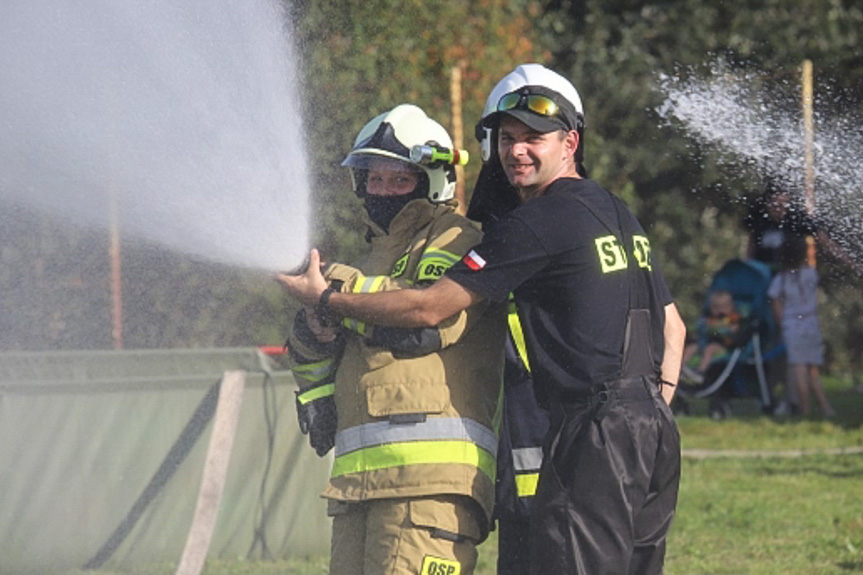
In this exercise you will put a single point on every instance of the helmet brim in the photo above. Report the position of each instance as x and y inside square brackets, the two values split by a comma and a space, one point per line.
[541, 124]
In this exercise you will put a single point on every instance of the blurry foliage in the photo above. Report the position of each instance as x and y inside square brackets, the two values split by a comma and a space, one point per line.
[691, 205]
[56, 293]
[359, 59]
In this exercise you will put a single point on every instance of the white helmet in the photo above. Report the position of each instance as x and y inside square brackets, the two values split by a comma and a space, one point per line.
[392, 135]
[528, 79]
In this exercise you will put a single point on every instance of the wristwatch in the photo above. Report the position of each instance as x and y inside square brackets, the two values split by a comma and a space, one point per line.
[322, 309]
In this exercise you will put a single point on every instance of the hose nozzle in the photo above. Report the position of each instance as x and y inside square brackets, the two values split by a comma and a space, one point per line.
[431, 155]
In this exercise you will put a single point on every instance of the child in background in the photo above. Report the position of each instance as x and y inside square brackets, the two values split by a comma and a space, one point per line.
[793, 295]
[721, 326]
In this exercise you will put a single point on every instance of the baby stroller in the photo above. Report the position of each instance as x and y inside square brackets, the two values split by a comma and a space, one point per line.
[742, 371]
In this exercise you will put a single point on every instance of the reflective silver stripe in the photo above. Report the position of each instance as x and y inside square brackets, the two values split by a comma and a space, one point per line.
[434, 428]
[527, 458]
[314, 371]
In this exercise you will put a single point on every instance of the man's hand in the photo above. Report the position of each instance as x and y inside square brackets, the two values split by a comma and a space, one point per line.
[308, 287]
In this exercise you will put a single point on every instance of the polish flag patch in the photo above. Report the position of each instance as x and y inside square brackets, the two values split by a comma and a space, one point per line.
[474, 261]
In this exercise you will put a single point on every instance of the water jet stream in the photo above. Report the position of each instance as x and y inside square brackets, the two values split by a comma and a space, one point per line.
[765, 133]
[187, 112]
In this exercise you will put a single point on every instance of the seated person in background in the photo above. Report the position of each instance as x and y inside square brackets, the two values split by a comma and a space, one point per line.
[719, 330]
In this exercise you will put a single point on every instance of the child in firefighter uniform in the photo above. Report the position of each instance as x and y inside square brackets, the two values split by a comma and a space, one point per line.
[412, 413]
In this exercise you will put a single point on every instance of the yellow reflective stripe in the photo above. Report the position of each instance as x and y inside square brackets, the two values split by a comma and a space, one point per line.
[518, 336]
[368, 284]
[316, 393]
[415, 453]
[314, 372]
[525, 484]
[354, 325]
[363, 284]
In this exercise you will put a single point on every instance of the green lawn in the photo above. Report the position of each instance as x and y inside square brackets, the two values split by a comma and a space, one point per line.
[780, 512]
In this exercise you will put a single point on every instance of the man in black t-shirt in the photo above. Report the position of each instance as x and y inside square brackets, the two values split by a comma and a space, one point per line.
[772, 220]
[777, 217]
[602, 335]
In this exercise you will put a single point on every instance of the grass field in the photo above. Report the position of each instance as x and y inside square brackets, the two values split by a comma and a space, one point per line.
[797, 507]
[773, 497]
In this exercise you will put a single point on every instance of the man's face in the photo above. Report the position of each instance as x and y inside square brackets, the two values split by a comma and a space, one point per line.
[777, 206]
[532, 160]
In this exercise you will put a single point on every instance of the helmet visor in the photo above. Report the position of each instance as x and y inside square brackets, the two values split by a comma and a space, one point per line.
[380, 160]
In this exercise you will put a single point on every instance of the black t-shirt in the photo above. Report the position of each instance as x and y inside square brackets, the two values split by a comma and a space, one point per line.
[572, 286]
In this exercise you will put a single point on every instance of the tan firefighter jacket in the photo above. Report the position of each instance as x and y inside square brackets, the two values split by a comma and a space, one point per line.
[414, 426]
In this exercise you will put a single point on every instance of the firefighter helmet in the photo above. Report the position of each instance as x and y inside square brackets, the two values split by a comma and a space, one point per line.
[392, 135]
[541, 98]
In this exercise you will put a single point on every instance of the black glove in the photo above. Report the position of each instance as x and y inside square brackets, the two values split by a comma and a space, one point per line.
[406, 342]
[318, 420]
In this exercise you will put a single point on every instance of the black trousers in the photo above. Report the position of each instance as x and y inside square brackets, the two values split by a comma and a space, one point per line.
[513, 547]
[608, 486]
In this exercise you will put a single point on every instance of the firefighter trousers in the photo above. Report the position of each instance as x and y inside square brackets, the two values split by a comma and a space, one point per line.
[433, 535]
[608, 485]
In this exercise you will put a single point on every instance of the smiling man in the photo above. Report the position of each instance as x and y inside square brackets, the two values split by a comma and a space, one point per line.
[603, 336]
[530, 158]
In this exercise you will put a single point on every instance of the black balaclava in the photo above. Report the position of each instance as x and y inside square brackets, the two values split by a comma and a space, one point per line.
[382, 209]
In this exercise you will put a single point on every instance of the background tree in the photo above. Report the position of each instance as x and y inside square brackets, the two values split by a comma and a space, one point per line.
[360, 59]
[691, 199]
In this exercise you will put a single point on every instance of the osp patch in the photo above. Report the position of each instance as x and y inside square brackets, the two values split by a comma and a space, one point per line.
[438, 566]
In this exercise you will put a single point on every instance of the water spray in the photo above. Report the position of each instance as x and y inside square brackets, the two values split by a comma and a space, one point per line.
[766, 138]
[177, 108]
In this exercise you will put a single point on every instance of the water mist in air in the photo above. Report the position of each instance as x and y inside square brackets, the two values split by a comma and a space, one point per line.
[185, 113]
[765, 133]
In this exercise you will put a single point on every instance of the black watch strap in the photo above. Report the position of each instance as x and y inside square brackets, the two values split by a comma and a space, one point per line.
[323, 308]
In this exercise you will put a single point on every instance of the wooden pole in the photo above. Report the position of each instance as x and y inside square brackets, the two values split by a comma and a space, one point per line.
[809, 153]
[809, 134]
[116, 271]
[458, 132]
[215, 473]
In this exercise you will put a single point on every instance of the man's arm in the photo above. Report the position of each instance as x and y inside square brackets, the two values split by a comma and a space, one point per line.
[675, 337]
[403, 308]
[838, 253]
